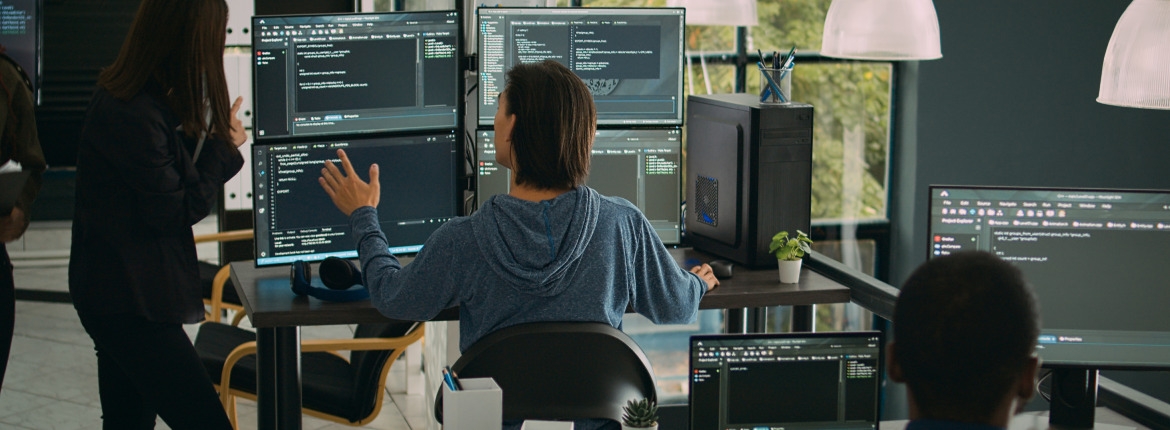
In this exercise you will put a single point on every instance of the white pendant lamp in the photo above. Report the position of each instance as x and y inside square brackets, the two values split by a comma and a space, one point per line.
[888, 30]
[1136, 71]
[739, 13]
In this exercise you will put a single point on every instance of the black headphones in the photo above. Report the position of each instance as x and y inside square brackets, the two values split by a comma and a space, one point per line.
[337, 274]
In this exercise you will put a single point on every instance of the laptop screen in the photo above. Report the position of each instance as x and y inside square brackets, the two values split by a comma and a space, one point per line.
[785, 381]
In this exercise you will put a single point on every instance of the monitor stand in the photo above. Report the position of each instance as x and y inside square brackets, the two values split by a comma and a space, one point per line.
[1074, 398]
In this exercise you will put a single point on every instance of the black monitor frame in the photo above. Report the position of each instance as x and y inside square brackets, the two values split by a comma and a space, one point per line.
[302, 7]
[282, 112]
[328, 231]
[636, 96]
[1059, 346]
[653, 154]
[27, 49]
[813, 351]
[1032, 215]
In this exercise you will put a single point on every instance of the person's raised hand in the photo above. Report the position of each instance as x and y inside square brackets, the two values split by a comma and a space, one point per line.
[13, 225]
[346, 189]
[239, 135]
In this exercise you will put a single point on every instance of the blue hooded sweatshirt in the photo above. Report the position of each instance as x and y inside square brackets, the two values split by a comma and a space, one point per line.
[578, 257]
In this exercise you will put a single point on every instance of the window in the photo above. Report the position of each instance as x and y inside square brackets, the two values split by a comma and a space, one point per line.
[851, 140]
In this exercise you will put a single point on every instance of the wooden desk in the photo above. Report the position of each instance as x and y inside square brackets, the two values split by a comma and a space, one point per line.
[278, 314]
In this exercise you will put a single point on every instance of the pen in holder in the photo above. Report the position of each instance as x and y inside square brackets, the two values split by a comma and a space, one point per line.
[775, 85]
[477, 405]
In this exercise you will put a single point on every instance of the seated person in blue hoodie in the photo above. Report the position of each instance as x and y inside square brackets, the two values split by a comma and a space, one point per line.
[965, 331]
[552, 249]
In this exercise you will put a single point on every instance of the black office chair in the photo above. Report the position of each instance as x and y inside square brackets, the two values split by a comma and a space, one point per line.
[559, 371]
[347, 392]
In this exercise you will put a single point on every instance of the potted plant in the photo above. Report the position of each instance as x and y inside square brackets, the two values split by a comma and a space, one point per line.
[789, 251]
[640, 414]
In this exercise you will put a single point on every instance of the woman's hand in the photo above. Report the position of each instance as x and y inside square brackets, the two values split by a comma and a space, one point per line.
[707, 275]
[13, 225]
[239, 135]
[347, 190]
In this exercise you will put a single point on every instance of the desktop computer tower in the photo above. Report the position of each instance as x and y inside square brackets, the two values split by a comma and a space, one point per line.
[749, 175]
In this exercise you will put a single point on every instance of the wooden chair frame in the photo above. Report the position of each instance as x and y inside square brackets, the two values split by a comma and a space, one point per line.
[215, 303]
[398, 344]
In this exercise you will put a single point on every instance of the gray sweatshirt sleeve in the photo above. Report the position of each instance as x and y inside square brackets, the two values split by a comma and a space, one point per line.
[417, 292]
[664, 292]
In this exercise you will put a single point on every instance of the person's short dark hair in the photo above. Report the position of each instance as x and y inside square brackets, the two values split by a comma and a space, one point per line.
[552, 137]
[965, 328]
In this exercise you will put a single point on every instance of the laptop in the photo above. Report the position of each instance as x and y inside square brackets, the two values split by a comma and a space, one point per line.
[785, 381]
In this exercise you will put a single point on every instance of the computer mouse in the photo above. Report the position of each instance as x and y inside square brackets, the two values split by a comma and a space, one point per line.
[721, 268]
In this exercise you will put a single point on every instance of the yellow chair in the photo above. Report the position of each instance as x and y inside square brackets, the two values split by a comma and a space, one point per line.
[215, 297]
[344, 391]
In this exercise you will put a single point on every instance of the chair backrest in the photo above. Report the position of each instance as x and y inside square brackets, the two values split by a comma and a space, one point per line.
[368, 365]
[560, 370]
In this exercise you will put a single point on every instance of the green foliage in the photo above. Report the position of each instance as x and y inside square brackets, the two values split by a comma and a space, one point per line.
[790, 248]
[851, 100]
[640, 413]
[787, 23]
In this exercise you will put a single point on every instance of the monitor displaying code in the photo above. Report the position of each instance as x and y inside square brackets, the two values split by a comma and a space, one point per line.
[296, 220]
[1095, 258]
[643, 166]
[320, 75]
[822, 380]
[20, 35]
[631, 59]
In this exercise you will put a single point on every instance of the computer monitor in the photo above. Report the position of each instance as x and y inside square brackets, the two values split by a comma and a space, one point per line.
[1096, 259]
[289, 7]
[785, 380]
[20, 34]
[295, 220]
[643, 166]
[631, 59]
[318, 75]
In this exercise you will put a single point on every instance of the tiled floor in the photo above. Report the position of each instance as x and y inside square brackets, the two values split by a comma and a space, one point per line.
[51, 382]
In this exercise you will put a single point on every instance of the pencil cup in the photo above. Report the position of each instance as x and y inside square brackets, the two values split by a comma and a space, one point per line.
[773, 79]
[479, 405]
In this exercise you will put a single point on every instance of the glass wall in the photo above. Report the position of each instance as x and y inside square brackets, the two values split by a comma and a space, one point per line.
[851, 140]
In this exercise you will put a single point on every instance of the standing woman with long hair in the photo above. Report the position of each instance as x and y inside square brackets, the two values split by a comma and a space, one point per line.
[159, 141]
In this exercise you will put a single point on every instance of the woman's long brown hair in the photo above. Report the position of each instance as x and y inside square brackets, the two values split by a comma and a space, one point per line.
[178, 44]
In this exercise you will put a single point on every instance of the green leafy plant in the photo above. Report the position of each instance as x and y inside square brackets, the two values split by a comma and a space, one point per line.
[640, 413]
[790, 248]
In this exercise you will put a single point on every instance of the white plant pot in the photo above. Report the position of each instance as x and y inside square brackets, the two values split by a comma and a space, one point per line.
[789, 271]
[654, 427]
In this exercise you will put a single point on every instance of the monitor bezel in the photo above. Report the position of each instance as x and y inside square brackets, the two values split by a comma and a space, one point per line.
[881, 362]
[1058, 362]
[456, 174]
[36, 75]
[479, 199]
[460, 69]
[601, 123]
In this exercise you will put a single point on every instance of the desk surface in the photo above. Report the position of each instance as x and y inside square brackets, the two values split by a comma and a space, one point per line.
[269, 302]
